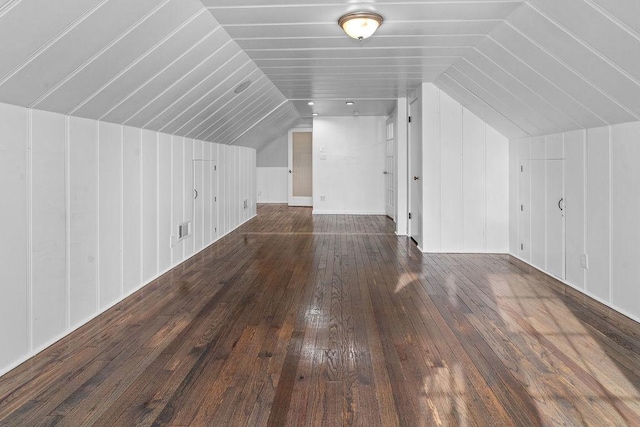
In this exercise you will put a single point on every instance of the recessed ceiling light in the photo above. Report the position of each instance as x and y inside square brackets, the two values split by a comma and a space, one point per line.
[242, 86]
[311, 103]
[360, 25]
[349, 102]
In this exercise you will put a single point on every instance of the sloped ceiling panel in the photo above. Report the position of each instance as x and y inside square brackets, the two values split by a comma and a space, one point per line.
[268, 127]
[300, 47]
[162, 65]
[555, 66]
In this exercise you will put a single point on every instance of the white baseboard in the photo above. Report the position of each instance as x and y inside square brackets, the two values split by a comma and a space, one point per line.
[584, 291]
[101, 311]
[330, 212]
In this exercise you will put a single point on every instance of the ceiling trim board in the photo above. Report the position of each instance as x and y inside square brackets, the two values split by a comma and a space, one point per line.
[343, 99]
[386, 36]
[386, 3]
[52, 41]
[356, 48]
[613, 19]
[144, 56]
[8, 6]
[574, 71]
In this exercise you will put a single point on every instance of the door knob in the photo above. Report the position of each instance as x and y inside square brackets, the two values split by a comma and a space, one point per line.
[385, 173]
[289, 170]
[415, 178]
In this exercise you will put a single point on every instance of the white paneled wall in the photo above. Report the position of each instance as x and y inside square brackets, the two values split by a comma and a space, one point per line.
[465, 179]
[601, 215]
[89, 210]
[272, 184]
[348, 165]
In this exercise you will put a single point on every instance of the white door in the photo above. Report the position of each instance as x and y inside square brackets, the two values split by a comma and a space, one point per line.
[415, 171]
[205, 203]
[555, 219]
[300, 168]
[389, 171]
[199, 195]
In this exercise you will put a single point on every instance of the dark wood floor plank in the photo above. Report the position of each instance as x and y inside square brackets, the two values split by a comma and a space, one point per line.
[295, 319]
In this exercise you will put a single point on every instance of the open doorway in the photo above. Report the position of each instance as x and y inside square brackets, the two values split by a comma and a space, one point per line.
[300, 167]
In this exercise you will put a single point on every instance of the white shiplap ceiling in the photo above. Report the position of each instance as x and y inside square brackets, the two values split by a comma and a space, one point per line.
[300, 47]
[526, 67]
[162, 65]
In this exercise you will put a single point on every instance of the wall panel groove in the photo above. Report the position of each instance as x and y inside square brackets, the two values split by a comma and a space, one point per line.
[94, 207]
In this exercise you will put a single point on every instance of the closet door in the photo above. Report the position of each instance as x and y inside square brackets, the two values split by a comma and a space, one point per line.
[555, 209]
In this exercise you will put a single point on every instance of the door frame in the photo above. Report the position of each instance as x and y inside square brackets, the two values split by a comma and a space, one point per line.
[415, 216]
[298, 201]
[390, 175]
[206, 197]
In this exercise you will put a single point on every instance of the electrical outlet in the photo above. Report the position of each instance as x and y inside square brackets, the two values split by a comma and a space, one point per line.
[323, 198]
[259, 193]
[584, 261]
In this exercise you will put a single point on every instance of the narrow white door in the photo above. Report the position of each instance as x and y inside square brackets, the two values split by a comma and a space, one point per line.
[198, 206]
[415, 171]
[300, 168]
[555, 238]
[205, 203]
[389, 171]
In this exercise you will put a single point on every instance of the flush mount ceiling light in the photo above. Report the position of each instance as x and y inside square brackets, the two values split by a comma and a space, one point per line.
[360, 25]
[311, 103]
[314, 114]
[349, 102]
[242, 86]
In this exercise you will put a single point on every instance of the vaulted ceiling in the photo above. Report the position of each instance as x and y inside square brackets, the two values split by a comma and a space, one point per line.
[526, 67]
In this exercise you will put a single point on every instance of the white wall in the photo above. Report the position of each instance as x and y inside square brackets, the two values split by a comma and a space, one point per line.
[402, 167]
[273, 185]
[272, 159]
[89, 209]
[274, 154]
[602, 196]
[348, 165]
[465, 179]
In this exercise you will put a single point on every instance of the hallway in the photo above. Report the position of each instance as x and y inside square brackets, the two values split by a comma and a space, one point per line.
[294, 319]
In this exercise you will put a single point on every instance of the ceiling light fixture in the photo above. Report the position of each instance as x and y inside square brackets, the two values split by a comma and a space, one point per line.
[360, 25]
[349, 102]
[242, 86]
[314, 114]
[311, 103]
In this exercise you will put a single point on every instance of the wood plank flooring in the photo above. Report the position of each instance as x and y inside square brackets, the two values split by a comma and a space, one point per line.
[333, 320]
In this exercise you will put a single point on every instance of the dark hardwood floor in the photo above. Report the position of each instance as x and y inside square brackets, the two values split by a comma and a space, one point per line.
[334, 320]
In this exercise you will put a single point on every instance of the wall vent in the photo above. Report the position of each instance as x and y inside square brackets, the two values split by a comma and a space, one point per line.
[184, 230]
